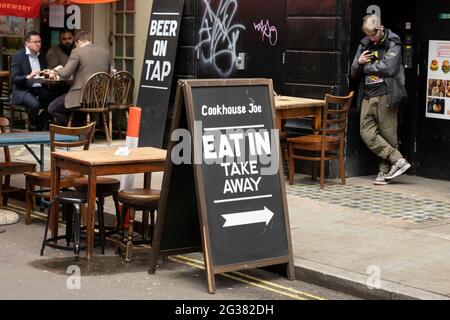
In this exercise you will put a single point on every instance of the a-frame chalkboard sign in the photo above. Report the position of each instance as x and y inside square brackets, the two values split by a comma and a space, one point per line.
[227, 197]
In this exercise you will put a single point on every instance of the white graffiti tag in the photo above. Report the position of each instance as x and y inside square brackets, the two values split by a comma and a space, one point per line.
[218, 37]
[267, 31]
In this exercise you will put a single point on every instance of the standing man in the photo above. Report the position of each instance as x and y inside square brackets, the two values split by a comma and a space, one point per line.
[59, 54]
[85, 60]
[25, 65]
[378, 66]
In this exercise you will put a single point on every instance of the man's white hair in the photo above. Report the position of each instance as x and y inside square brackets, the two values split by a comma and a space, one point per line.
[371, 24]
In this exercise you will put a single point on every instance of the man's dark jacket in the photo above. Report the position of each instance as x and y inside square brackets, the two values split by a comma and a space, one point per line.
[20, 68]
[389, 67]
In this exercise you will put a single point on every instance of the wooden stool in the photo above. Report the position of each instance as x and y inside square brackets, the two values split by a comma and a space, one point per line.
[145, 200]
[71, 199]
[106, 187]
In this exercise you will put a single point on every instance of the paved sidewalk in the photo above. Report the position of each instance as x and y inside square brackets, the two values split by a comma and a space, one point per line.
[347, 235]
[344, 237]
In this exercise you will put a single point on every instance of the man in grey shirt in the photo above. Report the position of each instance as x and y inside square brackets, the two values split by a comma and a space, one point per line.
[378, 66]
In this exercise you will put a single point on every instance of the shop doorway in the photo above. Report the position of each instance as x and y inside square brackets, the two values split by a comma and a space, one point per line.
[398, 16]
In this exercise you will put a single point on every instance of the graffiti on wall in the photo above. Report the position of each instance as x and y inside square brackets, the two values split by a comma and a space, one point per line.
[218, 36]
[267, 31]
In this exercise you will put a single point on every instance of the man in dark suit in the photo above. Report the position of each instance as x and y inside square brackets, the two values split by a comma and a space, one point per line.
[25, 65]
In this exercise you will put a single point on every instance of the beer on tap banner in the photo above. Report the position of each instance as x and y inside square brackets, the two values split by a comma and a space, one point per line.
[23, 8]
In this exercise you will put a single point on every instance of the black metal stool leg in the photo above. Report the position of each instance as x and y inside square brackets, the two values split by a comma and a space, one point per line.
[101, 222]
[115, 197]
[77, 218]
[152, 223]
[69, 223]
[46, 228]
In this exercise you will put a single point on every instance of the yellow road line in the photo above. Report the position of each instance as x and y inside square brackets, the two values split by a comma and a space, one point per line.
[241, 280]
[260, 280]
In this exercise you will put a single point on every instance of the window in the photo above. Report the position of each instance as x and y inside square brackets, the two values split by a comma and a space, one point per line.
[123, 31]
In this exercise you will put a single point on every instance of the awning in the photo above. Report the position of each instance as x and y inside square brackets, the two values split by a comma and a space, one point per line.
[91, 1]
[76, 1]
[31, 8]
[26, 8]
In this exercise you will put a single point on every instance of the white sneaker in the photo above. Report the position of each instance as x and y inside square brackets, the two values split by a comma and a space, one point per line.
[380, 180]
[399, 167]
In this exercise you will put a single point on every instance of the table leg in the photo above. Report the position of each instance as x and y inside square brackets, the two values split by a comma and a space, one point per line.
[54, 188]
[41, 162]
[92, 185]
[317, 119]
[42, 168]
[278, 122]
[147, 180]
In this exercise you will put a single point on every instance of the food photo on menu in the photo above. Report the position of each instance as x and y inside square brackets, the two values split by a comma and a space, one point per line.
[436, 106]
[437, 87]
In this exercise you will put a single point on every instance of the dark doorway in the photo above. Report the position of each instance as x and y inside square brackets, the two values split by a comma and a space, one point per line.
[398, 16]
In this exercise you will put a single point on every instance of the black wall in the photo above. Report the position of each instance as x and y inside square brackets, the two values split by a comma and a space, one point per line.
[316, 44]
[316, 56]
[185, 62]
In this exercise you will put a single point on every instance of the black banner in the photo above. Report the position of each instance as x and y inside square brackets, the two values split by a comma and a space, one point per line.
[157, 70]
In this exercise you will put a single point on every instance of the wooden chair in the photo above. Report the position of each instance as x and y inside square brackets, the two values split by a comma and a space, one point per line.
[122, 86]
[94, 100]
[4, 95]
[8, 167]
[145, 200]
[43, 179]
[329, 144]
[16, 108]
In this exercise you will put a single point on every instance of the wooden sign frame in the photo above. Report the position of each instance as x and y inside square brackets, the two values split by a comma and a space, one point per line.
[184, 118]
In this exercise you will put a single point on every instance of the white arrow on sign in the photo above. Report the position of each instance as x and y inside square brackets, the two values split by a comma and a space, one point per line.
[249, 217]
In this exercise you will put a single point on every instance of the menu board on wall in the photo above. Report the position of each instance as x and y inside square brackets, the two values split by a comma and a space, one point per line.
[438, 80]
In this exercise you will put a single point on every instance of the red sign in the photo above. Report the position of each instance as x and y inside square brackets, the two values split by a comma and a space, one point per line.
[25, 8]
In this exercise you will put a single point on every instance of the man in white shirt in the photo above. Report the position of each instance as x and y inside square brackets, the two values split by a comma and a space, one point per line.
[25, 65]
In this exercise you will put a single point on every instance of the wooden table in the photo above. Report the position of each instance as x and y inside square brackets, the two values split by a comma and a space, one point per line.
[95, 163]
[295, 107]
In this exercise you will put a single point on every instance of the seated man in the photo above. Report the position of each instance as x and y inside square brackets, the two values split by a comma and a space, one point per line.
[25, 65]
[59, 54]
[85, 60]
